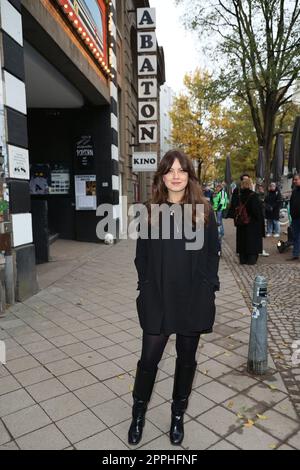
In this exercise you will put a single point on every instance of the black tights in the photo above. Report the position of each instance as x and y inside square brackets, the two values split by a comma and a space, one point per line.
[154, 345]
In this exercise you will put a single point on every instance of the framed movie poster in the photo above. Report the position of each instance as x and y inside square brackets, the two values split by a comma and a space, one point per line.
[60, 179]
[85, 192]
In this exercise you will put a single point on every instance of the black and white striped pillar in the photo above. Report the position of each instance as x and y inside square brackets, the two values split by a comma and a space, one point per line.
[15, 146]
[112, 31]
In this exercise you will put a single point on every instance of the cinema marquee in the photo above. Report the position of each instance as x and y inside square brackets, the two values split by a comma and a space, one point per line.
[89, 18]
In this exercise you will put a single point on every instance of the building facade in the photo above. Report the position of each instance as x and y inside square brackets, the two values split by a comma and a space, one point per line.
[167, 96]
[68, 119]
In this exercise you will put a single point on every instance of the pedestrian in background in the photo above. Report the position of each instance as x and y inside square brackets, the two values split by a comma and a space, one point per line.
[273, 202]
[261, 196]
[208, 194]
[235, 198]
[250, 225]
[177, 293]
[220, 203]
[295, 216]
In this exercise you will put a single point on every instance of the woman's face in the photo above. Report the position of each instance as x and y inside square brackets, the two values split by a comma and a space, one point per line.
[176, 180]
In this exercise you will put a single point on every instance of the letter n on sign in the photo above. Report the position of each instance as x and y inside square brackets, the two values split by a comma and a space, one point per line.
[148, 133]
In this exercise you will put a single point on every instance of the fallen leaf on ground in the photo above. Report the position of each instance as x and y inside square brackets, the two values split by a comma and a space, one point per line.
[262, 417]
[240, 416]
[273, 446]
[249, 424]
[272, 387]
[121, 377]
[230, 404]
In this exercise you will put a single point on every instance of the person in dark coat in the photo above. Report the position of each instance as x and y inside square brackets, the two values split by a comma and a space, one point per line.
[235, 197]
[273, 203]
[249, 237]
[295, 216]
[177, 289]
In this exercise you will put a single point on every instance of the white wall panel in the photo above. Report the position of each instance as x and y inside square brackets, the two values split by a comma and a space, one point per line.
[15, 95]
[22, 229]
[11, 21]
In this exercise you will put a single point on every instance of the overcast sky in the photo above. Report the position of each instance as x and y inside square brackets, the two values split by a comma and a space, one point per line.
[180, 46]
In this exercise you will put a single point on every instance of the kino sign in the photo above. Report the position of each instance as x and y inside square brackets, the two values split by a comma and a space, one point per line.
[147, 71]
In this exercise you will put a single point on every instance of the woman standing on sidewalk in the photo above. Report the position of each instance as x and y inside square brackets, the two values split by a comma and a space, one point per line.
[249, 233]
[177, 292]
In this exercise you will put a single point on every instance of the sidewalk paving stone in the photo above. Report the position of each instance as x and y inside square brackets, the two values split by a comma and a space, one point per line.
[253, 439]
[48, 438]
[80, 426]
[14, 401]
[62, 367]
[102, 441]
[45, 390]
[78, 379]
[106, 370]
[33, 376]
[95, 394]
[220, 421]
[8, 384]
[4, 435]
[113, 412]
[198, 437]
[62, 406]
[25, 421]
[278, 425]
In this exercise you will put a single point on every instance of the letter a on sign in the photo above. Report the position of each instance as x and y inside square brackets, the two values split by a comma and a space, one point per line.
[147, 65]
[146, 18]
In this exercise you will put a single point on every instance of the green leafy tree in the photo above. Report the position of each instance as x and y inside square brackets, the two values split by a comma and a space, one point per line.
[192, 116]
[258, 44]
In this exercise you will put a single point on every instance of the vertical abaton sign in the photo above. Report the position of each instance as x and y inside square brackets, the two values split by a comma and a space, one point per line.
[147, 71]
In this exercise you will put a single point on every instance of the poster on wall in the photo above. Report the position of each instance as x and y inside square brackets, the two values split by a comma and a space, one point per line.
[40, 179]
[60, 180]
[85, 192]
[85, 152]
[18, 162]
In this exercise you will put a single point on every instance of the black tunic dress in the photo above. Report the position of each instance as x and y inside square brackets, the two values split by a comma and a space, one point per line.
[177, 286]
[176, 269]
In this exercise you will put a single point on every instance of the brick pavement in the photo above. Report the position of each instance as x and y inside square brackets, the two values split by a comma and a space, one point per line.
[72, 353]
[283, 308]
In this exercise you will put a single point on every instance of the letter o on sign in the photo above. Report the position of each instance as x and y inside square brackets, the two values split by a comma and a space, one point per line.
[148, 111]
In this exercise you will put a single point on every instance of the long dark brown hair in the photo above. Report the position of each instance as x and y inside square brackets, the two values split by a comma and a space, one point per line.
[193, 193]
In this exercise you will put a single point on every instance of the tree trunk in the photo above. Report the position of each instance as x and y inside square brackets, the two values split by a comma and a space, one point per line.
[199, 170]
[269, 129]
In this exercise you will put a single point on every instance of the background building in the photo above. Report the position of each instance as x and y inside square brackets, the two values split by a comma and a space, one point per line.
[167, 96]
[68, 119]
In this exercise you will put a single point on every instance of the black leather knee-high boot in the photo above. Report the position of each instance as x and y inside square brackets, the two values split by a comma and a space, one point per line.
[183, 381]
[143, 386]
